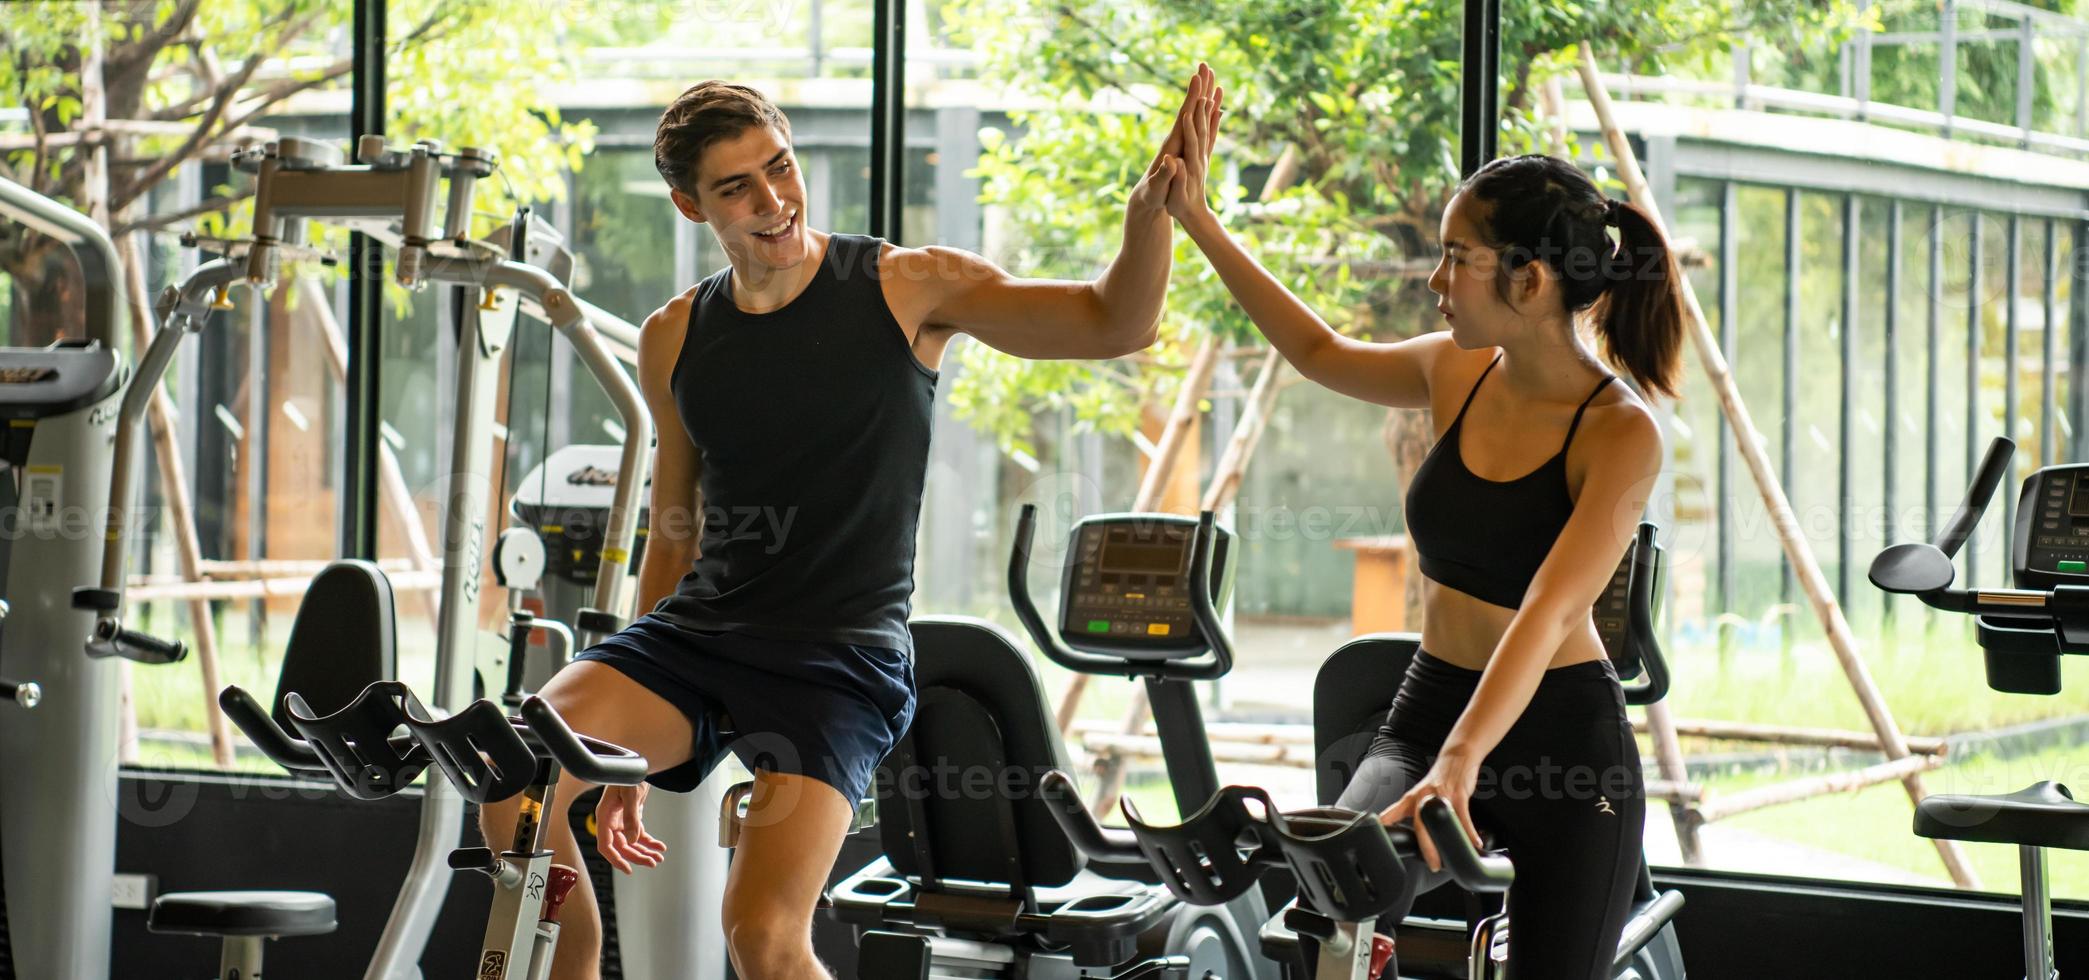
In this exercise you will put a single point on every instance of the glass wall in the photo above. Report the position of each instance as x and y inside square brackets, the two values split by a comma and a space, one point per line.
[1895, 306]
[575, 135]
[248, 432]
[1890, 262]
[1868, 316]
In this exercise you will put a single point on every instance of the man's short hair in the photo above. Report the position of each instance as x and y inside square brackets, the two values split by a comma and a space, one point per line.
[706, 113]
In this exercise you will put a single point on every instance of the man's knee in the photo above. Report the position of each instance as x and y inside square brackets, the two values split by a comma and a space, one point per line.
[768, 942]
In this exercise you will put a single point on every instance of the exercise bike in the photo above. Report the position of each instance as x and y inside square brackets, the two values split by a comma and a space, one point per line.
[2022, 632]
[1351, 867]
[1350, 698]
[976, 879]
[486, 755]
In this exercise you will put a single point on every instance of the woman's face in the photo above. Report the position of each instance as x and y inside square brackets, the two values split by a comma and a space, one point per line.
[1464, 281]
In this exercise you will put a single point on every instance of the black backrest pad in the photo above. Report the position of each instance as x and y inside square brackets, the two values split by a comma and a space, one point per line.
[982, 740]
[343, 640]
[1351, 695]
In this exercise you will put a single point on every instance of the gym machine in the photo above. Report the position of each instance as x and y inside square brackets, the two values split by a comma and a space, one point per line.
[2022, 633]
[391, 194]
[58, 762]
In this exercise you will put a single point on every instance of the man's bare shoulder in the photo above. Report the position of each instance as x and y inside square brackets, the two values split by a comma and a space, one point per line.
[671, 318]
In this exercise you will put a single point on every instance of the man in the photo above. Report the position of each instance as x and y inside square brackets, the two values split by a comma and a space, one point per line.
[792, 397]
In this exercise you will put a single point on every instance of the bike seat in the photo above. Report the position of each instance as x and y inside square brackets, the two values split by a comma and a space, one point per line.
[2043, 814]
[248, 913]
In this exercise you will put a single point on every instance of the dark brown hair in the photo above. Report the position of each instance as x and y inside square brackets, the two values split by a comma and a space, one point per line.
[702, 115]
[1544, 209]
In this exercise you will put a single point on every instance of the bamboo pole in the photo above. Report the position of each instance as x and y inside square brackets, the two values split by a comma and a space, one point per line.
[1121, 747]
[273, 567]
[422, 581]
[1674, 792]
[1668, 756]
[1783, 735]
[1796, 549]
[1722, 807]
[1129, 748]
[1225, 477]
[1224, 731]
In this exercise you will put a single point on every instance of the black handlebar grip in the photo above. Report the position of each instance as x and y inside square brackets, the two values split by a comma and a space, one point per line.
[1474, 871]
[1993, 467]
[1088, 836]
[590, 760]
[281, 747]
[598, 621]
[144, 649]
[1203, 545]
[97, 600]
[518, 654]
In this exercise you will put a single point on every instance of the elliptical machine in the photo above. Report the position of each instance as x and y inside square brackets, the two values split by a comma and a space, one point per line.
[2022, 632]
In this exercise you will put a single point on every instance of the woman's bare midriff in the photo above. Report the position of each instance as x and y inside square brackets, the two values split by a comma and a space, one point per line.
[1464, 631]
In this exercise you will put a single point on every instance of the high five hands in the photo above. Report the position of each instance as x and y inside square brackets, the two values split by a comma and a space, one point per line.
[1175, 181]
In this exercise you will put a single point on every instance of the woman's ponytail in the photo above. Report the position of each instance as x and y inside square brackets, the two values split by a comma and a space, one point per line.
[1640, 316]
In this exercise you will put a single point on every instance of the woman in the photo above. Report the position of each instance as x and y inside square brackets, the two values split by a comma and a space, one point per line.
[1520, 514]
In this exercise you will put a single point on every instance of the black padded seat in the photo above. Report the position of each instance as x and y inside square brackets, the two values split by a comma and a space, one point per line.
[977, 689]
[971, 848]
[254, 913]
[2043, 814]
[1351, 694]
[344, 638]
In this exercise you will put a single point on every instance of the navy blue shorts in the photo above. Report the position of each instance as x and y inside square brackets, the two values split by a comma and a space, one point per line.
[825, 710]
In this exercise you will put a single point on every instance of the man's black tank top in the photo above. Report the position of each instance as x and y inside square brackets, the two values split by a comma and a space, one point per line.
[1486, 538]
[812, 423]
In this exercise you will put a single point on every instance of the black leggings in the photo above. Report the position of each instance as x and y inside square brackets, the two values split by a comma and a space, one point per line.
[1562, 794]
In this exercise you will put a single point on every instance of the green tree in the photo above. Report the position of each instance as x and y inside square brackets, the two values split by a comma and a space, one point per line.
[120, 95]
[1341, 138]
[183, 81]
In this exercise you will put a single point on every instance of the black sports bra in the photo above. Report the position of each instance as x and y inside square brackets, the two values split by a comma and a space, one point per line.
[1486, 538]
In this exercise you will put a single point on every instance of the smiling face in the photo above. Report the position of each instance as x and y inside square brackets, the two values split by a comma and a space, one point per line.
[1465, 282]
[749, 190]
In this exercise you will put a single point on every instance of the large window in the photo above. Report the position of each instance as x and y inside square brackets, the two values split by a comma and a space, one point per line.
[241, 486]
[1886, 307]
[1888, 252]
[1893, 313]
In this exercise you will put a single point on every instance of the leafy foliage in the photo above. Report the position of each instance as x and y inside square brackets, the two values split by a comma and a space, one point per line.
[461, 73]
[1363, 93]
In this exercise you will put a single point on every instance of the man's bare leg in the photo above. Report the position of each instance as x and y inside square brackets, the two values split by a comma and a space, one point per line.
[794, 830]
[597, 700]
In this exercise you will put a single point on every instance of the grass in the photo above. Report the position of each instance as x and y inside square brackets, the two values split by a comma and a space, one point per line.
[1875, 823]
[1930, 676]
